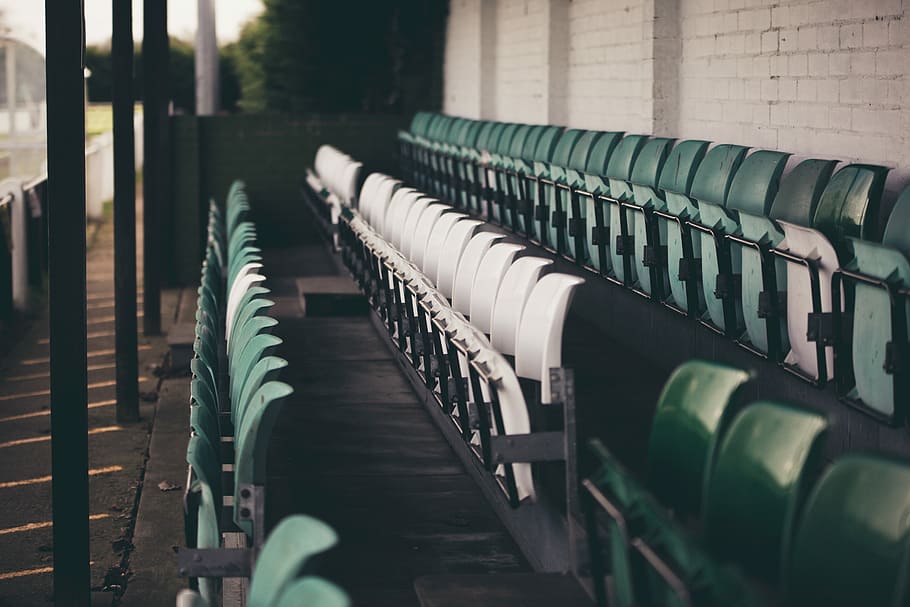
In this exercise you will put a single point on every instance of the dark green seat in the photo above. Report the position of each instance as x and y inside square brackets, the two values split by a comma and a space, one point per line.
[795, 202]
[539, 147]
[691, 413]
[712, 183]
[872, 372]
[761, 475]
[510, 146]
[589, 183]
[567, 232]
[852, 547]
[645, 256]
[753, 188]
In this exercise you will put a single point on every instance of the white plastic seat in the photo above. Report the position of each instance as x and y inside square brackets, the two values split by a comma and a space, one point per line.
[383, 198]
[538, 345]
[467, 269]
[367, 194]
[458, 238]
[515, 418]
[410, 223]
[807, 244]
[428, 219]
[249, 278]
[397, 215]
[513, 293]
[487, 280]
[436, 240]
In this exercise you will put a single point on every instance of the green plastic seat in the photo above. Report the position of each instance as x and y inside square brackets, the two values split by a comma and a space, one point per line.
[645, 257]
[293, 542]
[759, 481]
[753, 188]
[851, 547]
[255, 308]
[203, 500]
[712, 183]
[251, 441]
[539, 147]
[313, 592]
[257, 325]
[873, 374]
[598, 216]
[619, 176]
[265, 370]
[257, 347]
[589, 183]
[795, 202]
[552, 172]
[692, 411]
[510, 146]
[204, 422]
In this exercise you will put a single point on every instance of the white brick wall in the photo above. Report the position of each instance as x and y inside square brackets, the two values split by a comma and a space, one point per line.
[819, 77]
[822, 77]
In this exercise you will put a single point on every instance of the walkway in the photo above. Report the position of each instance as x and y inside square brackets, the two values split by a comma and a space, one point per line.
[117, 453]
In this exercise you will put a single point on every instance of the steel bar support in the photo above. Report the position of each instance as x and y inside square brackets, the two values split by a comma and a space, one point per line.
[155, 139]
[125, 327]
[66, 269]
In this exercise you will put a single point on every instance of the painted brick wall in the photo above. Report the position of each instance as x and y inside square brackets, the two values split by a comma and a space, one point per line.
[819, 77]
[822, 77]
[608, 81]
[521, 60]
[462, 87]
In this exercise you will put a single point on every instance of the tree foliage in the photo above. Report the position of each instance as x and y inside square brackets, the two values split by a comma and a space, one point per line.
[316, 56]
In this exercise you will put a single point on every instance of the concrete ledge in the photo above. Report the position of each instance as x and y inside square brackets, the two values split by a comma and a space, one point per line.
[330, 296]
[159, 523]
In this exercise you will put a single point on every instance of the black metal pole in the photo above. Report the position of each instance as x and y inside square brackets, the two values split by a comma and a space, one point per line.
[154, 108]
[66, 276]
[124, 215]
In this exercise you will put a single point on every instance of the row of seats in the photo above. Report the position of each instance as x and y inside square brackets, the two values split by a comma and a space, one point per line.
[235, 395]
[784, 255]
[747, 474]
[460, 303]
[334, 180]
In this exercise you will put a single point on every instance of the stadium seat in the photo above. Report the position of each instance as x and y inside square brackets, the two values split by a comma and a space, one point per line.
[514, 290]
[852, 544]
[753, 187]
[419, 240]
[470, 261]
[436, 240]
[452, 249]
[847, 207]
[549, 174]
[872, 353]
[693, 408]
[618, 175]
[764, 277]
[711, 183]
[538, 343]
[490, 273]
[539, 147]
[763, 466]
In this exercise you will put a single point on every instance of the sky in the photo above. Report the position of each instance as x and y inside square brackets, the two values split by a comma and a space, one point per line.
[26, 19]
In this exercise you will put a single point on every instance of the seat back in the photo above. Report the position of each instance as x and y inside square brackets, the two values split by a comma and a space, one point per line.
[422, 232]
[756, 182]
[682, 164]
[519, 137]
[544, 145]
[486, 132]
[849, 204]
[566, 143]
[503, 144]
[470, 261]
[762, 467]
[623, 158]
[489, 276]
[715, 173]
[458, 238]
[437, 239]
[511, 298]
[690, 416]
[294, 541]
[800, 191]
[581, 152]
[649, 164]
[538, 346]
[602, 151]
[897, 230]
[853, 542]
